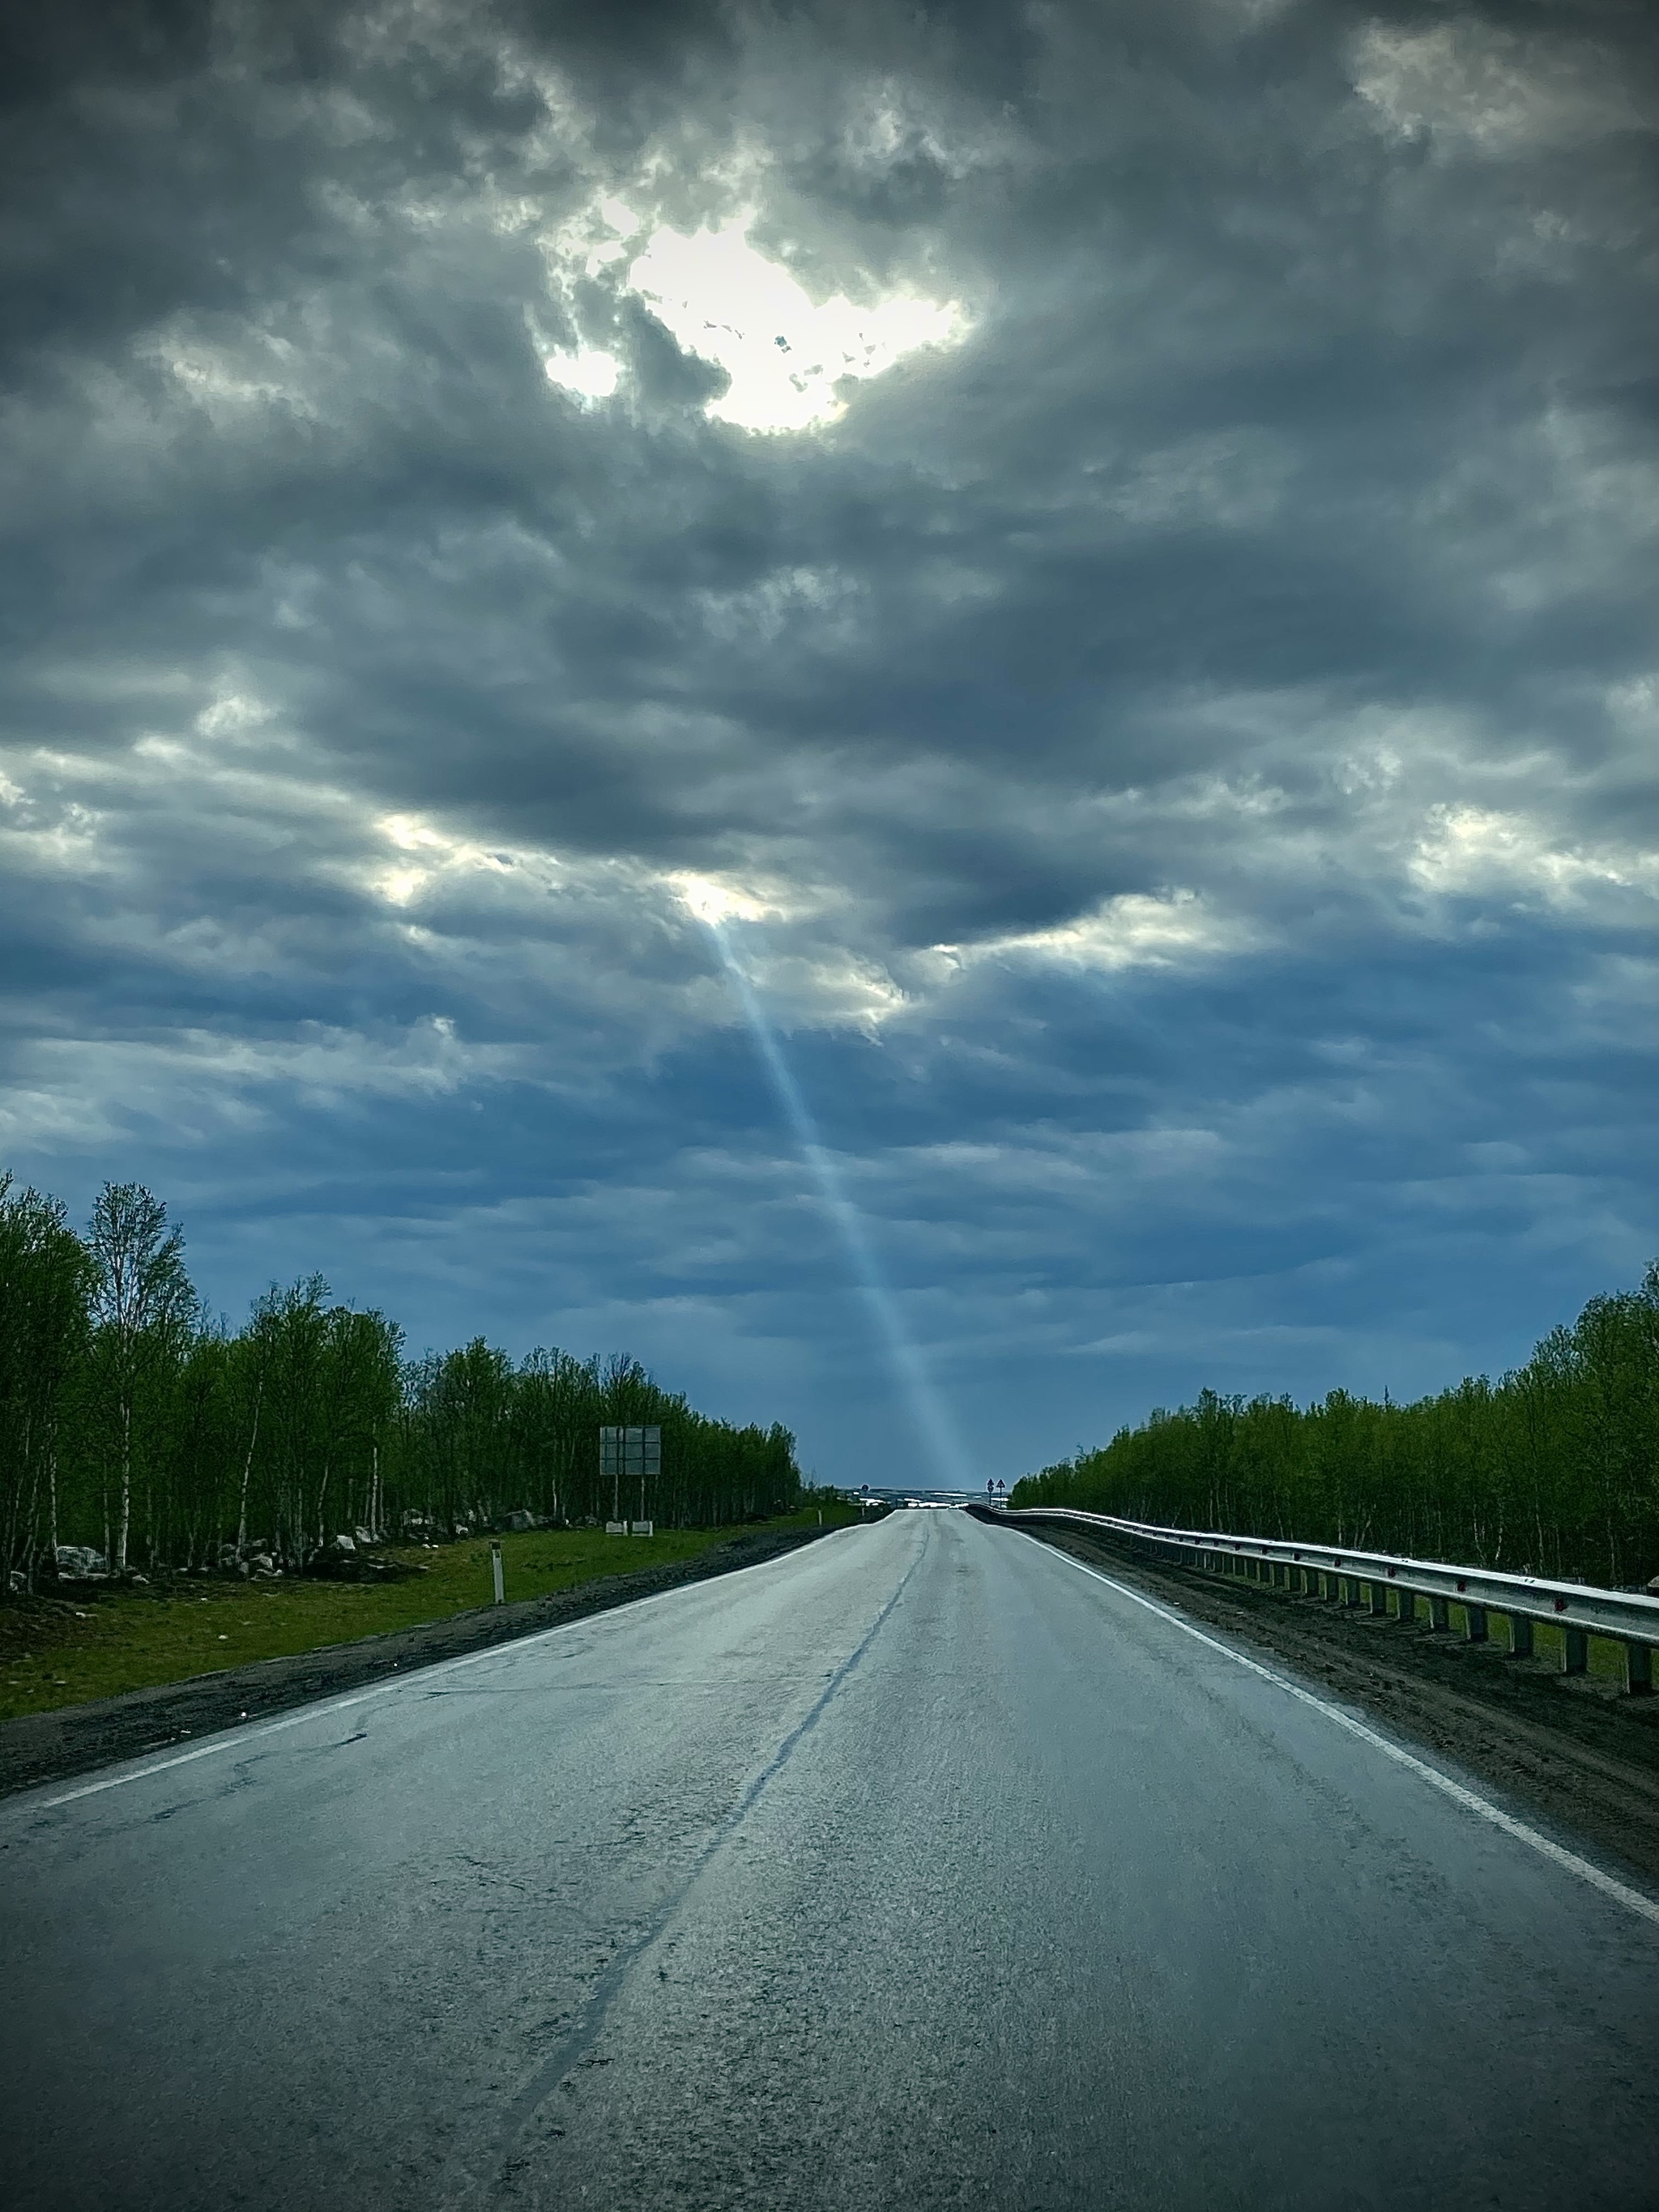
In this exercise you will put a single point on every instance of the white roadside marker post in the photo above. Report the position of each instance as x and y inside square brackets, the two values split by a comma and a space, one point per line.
[496, 1570]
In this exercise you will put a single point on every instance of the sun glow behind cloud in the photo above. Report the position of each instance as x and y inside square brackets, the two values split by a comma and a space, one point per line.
[1133, 930]
[587, 374]
[786, 355]
[714, 902]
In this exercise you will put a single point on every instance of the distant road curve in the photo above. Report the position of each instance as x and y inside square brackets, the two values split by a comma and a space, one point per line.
[922, 1867]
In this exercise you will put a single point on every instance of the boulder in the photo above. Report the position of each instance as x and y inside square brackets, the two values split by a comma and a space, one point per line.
[345, 1545]
[74, 1559]
[520, 1520]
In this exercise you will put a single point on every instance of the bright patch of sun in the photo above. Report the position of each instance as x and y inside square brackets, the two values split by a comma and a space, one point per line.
[589, 374]
[785, 353]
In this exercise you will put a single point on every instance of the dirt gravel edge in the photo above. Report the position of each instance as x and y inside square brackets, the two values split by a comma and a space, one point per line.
[43, 1747]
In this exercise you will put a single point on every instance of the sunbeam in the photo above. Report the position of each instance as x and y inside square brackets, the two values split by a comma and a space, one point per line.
[933, 1424]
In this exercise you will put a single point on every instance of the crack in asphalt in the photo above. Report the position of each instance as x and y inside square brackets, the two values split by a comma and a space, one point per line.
[576, 2047]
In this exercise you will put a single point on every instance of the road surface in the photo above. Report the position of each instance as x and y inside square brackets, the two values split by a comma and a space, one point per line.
[919, 1868]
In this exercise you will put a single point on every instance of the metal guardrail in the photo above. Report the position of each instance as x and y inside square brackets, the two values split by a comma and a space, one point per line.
[1572, 1613]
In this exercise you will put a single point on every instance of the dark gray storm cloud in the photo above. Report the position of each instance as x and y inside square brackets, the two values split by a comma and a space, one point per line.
[1115, 545]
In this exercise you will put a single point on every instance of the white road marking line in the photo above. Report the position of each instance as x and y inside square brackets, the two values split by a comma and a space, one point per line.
[1620, 1892]
[362, 1696]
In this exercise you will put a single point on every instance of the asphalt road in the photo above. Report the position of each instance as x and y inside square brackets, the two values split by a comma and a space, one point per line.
[918, 1868]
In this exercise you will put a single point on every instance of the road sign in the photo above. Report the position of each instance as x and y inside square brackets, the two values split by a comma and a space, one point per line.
[631, 1451]
[633, 1455]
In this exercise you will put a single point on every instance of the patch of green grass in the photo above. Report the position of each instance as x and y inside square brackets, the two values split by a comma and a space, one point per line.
[66, 1650]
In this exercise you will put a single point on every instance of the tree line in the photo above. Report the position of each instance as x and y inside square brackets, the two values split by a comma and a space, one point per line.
[1553, 1470]
[135, 1425]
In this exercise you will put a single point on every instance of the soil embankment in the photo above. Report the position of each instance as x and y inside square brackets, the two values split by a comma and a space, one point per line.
[47, 1746]
[1562, 1747]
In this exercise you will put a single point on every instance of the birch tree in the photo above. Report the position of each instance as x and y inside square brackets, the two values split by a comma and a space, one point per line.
[143, 1303]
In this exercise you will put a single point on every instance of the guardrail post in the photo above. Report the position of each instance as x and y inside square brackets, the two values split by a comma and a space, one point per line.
[1526, 1617]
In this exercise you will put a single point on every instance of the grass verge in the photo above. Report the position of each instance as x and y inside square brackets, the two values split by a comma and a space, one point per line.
[67, 1650]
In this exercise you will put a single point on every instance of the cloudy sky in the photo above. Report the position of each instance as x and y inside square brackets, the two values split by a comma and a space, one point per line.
[944, 715]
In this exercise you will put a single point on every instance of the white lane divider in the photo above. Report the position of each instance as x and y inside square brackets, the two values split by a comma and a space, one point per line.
[1619, 1892]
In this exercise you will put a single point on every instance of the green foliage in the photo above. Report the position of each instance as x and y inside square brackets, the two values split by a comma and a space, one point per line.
[481, 1438]
[129, 1426]
[1552, 1471]
[46, 1290]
